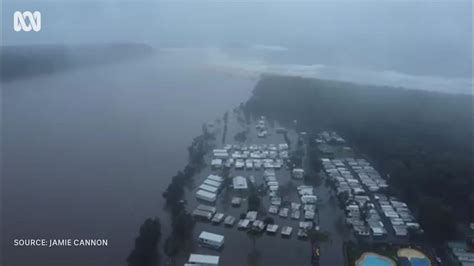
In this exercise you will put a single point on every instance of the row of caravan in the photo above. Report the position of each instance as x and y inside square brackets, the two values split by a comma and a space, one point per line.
[209, 189]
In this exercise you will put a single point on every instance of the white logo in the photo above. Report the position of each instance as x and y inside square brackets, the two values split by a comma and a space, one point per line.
[27, 21]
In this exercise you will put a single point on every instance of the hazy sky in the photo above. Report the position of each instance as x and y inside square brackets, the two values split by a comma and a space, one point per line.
[424, 38]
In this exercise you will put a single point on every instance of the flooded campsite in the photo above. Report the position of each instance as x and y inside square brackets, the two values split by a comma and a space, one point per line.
[287, 208]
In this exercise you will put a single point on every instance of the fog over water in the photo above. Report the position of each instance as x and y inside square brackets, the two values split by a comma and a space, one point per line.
[420, 44]
[88, 152]
[252, 68]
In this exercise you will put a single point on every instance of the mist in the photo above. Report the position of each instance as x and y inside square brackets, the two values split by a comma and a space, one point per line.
[100, 106]
[423, 45]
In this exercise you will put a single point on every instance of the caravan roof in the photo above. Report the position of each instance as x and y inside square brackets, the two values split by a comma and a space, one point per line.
[211, 236]
[206, 208]
[215, 178]
[212, 183]
[240, 182]
[203, 259]
[202, 214]
[205, 195]
[208, 188]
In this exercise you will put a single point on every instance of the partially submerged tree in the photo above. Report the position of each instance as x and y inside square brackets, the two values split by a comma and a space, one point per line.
[253, 200]
[171, 248]
[145, 252]
[183, 226]
[268, 220]
[254, 234]
[365, 212]
[317, 236]
[241, 136]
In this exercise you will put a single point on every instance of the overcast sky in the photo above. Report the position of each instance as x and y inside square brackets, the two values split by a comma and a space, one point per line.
[424, 38]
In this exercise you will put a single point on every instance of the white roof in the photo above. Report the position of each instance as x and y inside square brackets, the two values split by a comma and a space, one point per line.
[244, 222]
[203, 259]
[270, 178]
[215, 178]
[377, 230]
[211, 236]
[252, 215]
[240, 182]
[286, 230]
[206, 208]
[272, 227]
[208, 188]
[216, 161]
[205, 194]
[212, 183]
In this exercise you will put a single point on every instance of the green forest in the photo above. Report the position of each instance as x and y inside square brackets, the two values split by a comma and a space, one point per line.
[422, 141]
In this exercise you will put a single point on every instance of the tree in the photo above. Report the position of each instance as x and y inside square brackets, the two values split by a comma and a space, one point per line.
[286, 189]
[287, 139]
[343, 198]
[254, 258]
[225, 173]
[268, 220]
[317, 236]
[226, 117]
[436, 219]
[171, 248]
[175, 191]
[364, 212]
[183, 226]
[145, 252]
[418, 137]
[253, 201]
[241, 136]
[254, 234]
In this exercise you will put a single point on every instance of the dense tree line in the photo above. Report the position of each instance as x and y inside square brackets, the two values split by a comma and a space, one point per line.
[197, 150]
[182, 222]
[145, 252]
[422, 140]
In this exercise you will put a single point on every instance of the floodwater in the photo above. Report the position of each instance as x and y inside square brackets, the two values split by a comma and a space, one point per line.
[269, 249]
[87, 153]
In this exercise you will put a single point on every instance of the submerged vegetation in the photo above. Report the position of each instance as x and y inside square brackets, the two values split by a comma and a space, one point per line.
[145, 252]
[241, 136]
[197, 150]
[182, 223]
[422, 141]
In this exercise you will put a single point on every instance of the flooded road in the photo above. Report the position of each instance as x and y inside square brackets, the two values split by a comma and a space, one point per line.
[87, 153]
